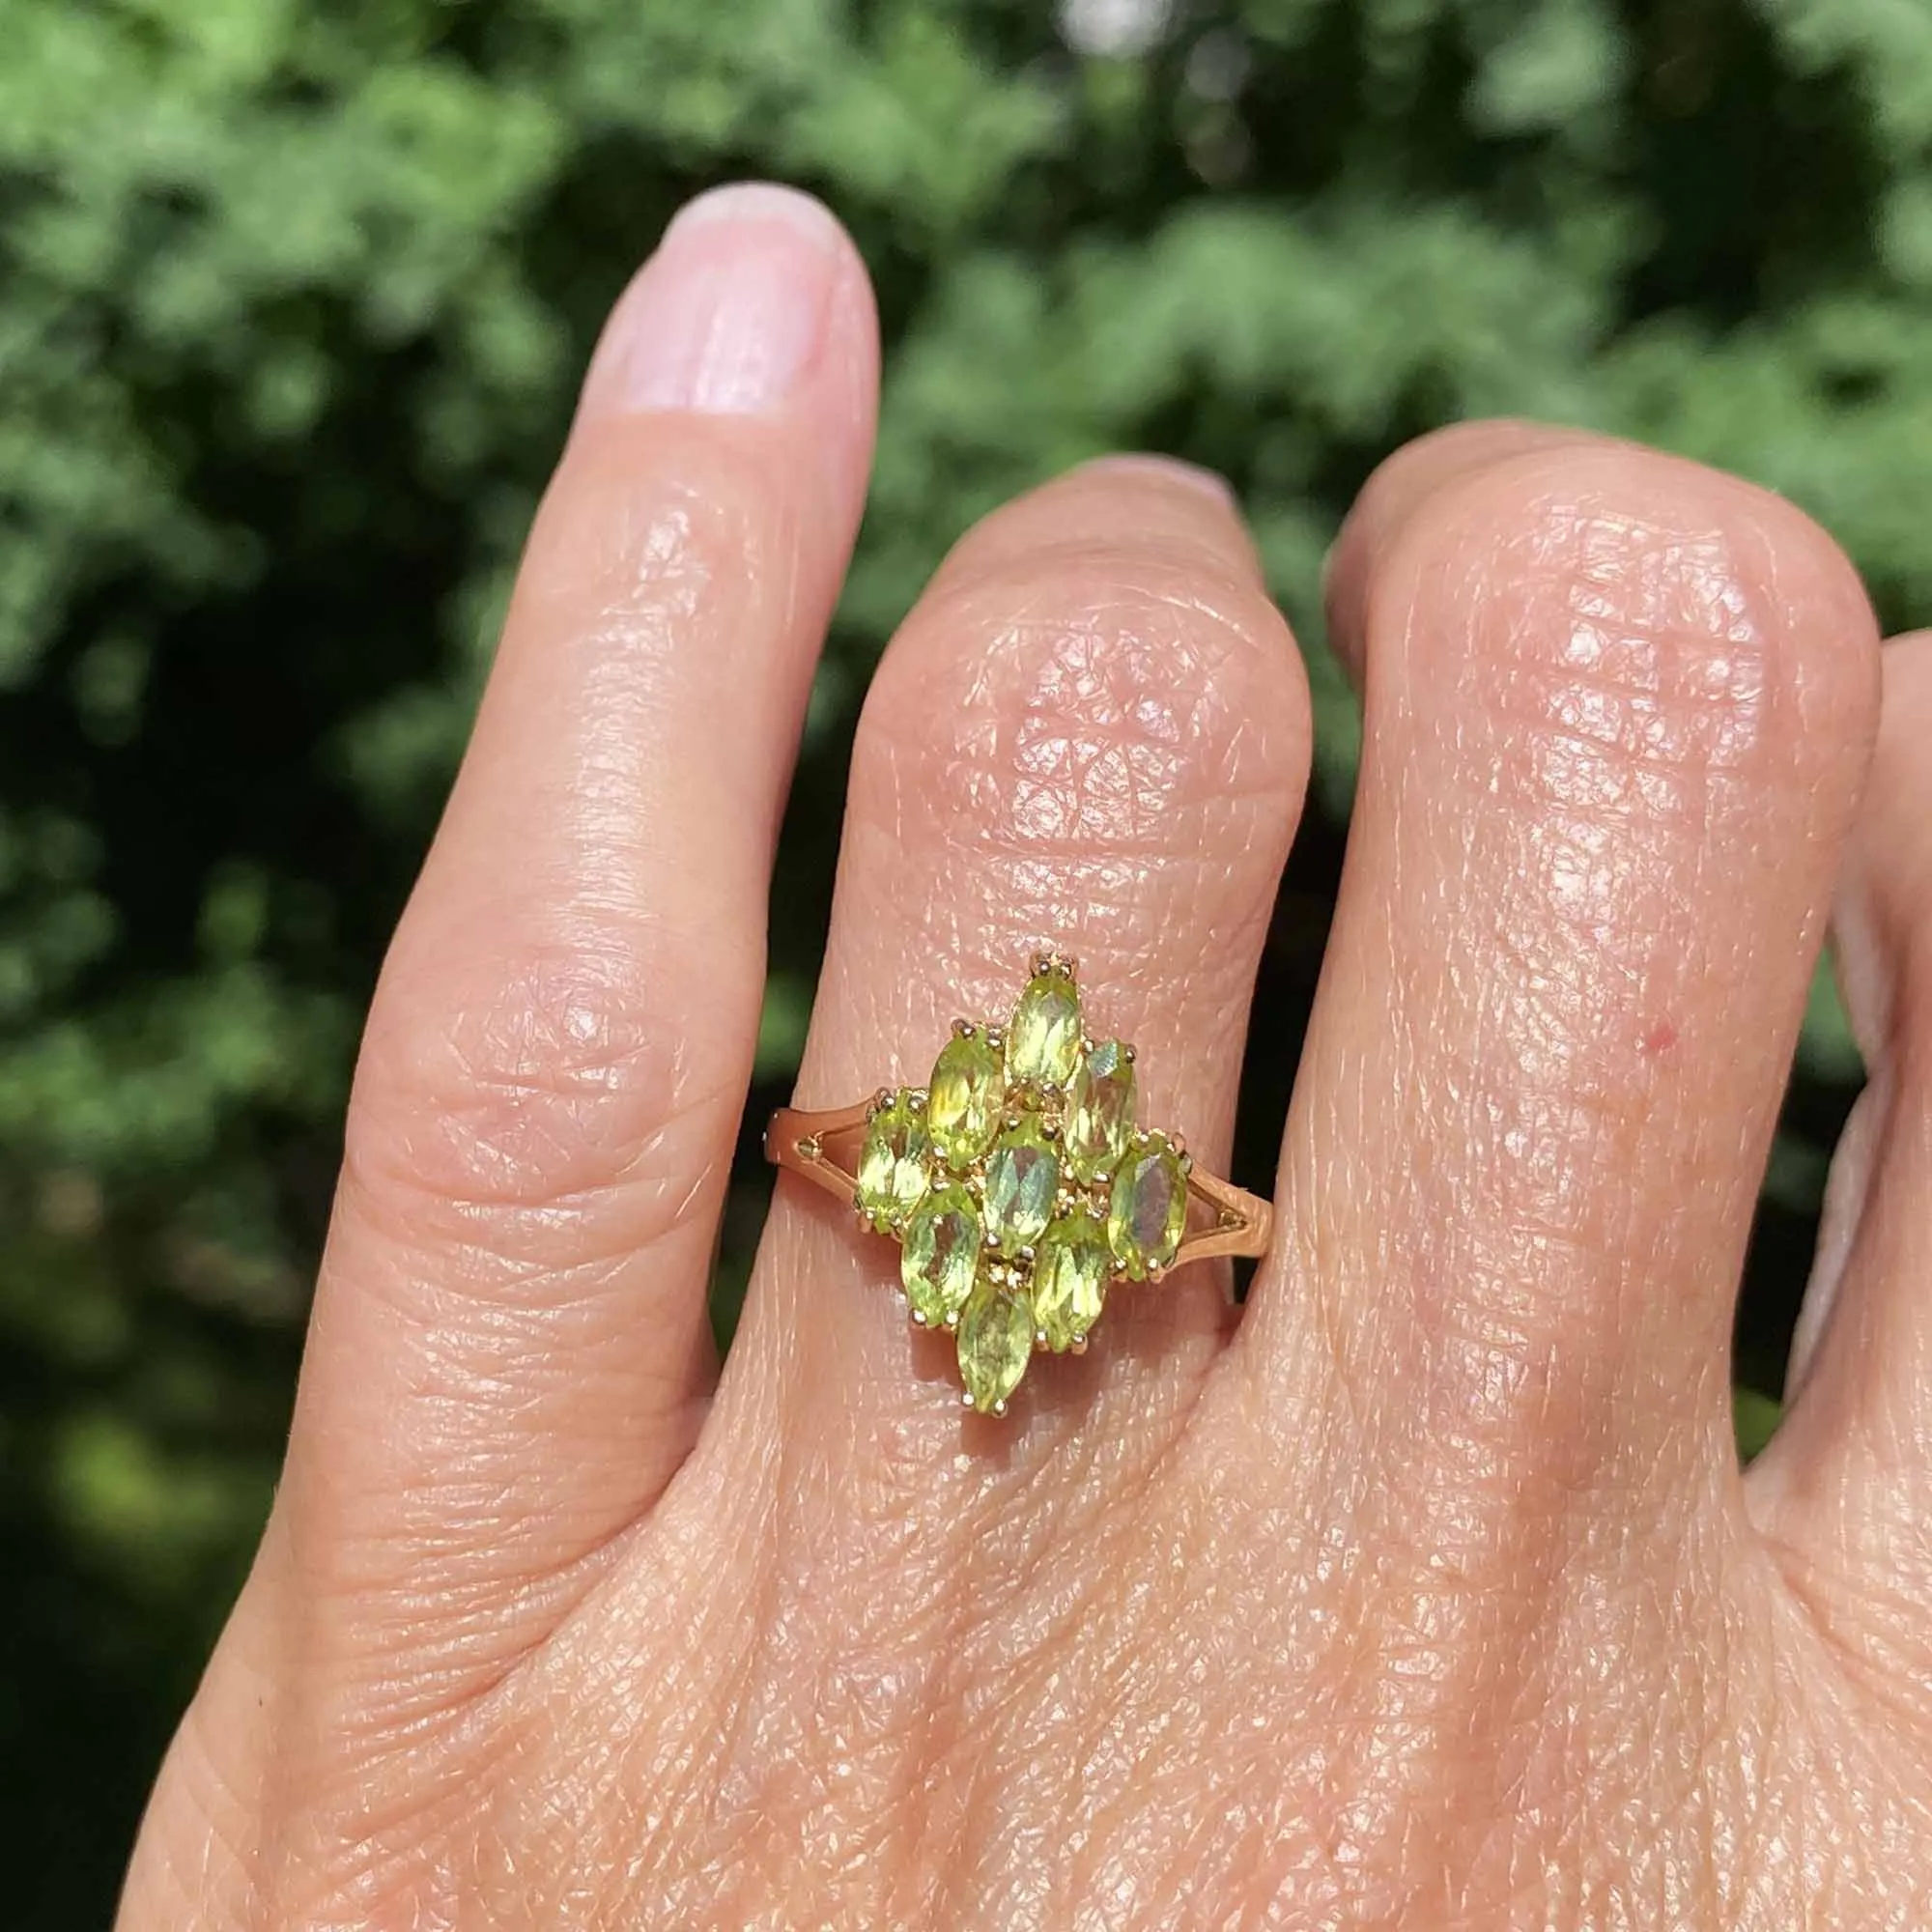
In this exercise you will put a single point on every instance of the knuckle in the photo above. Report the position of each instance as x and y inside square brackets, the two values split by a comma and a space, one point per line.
[1648, 625]
[650, 540]
[552, 1109]
[1081, 699]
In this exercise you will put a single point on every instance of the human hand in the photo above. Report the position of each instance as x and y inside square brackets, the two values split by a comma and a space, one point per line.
[1428, 1593]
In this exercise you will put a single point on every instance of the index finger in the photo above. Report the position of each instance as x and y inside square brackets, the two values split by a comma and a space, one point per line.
[511, 1349]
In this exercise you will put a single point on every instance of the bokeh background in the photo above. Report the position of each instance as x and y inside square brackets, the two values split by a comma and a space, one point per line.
[292, 300]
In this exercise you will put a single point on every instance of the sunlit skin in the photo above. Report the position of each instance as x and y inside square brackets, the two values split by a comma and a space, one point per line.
[1424, 1593]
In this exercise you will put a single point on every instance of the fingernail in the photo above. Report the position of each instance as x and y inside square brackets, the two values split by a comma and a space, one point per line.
[1170, 470]
[729, 315]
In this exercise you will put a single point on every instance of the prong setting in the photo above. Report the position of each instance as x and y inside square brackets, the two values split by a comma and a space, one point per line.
[1028, 1148]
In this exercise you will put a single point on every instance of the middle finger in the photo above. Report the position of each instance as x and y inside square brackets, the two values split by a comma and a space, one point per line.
[1092, 735]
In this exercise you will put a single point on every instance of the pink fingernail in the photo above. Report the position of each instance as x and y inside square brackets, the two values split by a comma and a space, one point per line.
[728, 316]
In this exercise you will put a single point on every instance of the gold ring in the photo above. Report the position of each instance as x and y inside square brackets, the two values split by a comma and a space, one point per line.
[1019, 1185]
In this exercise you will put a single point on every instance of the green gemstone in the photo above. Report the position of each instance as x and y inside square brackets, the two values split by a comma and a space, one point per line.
[1100, 1110]
[995, 1342]
[1147, 1211]
[892, 1162]
[1069, 1279]
[1044, 1041]
[941, 1255]
[962, 1105]
[1022, 1181]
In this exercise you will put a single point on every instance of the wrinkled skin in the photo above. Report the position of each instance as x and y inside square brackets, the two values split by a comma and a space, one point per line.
[1425, 1593]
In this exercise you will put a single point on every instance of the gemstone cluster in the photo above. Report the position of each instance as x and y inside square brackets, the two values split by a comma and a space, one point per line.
[1019, 1185]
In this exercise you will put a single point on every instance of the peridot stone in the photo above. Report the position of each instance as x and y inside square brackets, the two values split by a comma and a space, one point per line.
[1022, 1181]
[995, 1342]
[1099, 1110]
[963, 1101]
[1147, 1211]
[941, 1255]
[1069, 1279]
[893, 1161]
[1044, 1041]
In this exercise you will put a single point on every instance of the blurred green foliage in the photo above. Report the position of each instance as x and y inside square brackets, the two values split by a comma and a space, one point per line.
[292, 298]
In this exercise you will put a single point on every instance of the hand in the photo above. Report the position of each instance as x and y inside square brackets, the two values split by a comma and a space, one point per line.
[1428, 1593]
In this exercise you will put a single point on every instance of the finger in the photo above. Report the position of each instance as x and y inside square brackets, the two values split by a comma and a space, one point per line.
[1382, 513]
[1091, 734]
[1617, 709]
[1849, 1475]
[510, 1345]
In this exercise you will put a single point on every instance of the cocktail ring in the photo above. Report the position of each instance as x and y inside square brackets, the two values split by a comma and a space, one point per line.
[1019, 1185]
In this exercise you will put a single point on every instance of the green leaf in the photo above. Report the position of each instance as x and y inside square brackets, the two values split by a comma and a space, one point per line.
[1826, 1048]
[1754, 1417]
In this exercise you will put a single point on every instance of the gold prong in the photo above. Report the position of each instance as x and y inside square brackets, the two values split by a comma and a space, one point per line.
[919, 1317]
[965, 1028]
[1026, 1254]
[1078, 1346]
[1000, 1407]
[1039, 1338]
[1127, 1054]
[882, 1097]
[966, 1401]
[996, 1036]
[951, 1320]
[1156, 1271]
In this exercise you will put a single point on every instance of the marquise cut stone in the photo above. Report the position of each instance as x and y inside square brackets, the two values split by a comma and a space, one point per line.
[1100, 1110]
[995, 1344]
[1069, 1279]
[1044, 1041]
[893, 1161]
[1022, 1182]
[1147, 1210]
[941, 1256]
[964, 1097]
